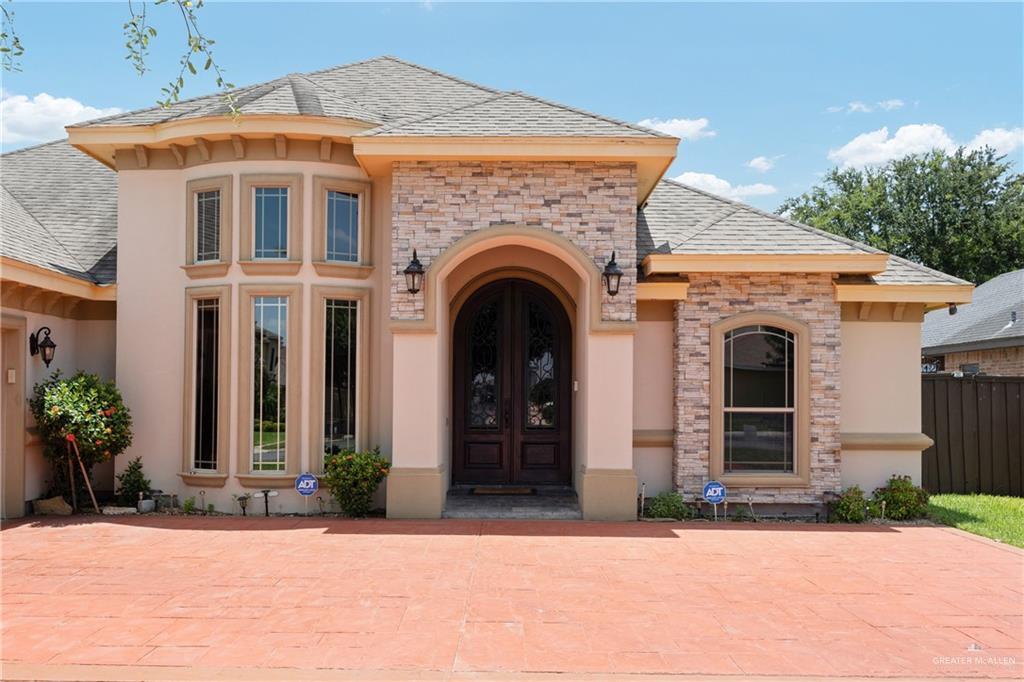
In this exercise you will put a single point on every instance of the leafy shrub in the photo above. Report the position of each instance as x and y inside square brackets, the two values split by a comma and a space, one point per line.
[131, 482]
[668, 505]
[83, 409]
[353, 477]
[903, 499]
[850, 506]
[189, 505]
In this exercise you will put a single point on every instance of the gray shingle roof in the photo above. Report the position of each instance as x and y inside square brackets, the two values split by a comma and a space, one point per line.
[59, 211]
[985, 319]
[399, 98]
[678, 219]
[514, 114]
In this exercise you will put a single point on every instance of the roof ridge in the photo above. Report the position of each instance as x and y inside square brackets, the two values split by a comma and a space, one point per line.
[599, 117]
[85, 271]
[411, 121]
[334, 93]
[435, 72]
[774, 216]
[709, 222]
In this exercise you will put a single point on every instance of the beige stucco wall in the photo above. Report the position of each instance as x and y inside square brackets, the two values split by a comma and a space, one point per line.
[653, 393]
[881, 393]
[86, 345]
[151, 311]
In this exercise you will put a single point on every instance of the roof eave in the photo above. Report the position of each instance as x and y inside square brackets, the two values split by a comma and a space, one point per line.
[982, 344]
[33, 275]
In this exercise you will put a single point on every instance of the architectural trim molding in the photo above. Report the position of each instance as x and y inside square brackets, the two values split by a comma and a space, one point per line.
[248, 183]
[362, 296]
[940, 294]
[653, 438]
[500, 235]
[662, 291]
[914, 442]
[35, 276]
[853, 263]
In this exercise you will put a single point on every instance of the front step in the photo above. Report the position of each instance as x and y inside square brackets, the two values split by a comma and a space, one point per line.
[546, 504]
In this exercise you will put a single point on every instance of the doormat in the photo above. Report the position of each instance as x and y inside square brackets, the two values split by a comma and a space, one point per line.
[502, 491]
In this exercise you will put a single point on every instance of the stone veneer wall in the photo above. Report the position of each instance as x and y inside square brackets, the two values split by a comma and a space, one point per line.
[435, 203]
[1007, 362]
[806, 297]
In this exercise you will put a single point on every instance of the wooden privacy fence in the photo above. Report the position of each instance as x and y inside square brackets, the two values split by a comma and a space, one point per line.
[977, 424]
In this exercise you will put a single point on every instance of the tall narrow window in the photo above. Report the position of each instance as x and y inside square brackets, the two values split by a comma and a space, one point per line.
[206, 384]
[270, 236]
[342, 226]
[759, 399]
[269, 387]
[340, 341]
[208, 215]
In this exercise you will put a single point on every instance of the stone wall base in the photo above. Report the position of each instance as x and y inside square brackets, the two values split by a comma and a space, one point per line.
[608, 495]
[415, 493]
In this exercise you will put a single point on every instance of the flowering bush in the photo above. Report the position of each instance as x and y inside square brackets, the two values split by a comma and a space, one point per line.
[353, 477]
[82, 409]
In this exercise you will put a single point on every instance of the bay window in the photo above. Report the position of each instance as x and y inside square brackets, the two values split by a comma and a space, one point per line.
[341, 232]
[270, 224]
[208, 227]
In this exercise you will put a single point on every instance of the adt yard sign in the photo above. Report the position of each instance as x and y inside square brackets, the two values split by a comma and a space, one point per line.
[714, 492]
[306, 484]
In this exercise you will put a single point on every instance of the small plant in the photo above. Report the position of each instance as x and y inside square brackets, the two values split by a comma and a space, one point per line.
[850, 506]
[741, 514]
[209, 508]
[353, 477]
[189, 505]
[668, 505]
[131, 483]
[902, 499]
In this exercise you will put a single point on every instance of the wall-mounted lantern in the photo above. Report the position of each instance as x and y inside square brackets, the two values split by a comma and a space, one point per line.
[612, 276]
[41, 343]
[414, 274]
[952, 308]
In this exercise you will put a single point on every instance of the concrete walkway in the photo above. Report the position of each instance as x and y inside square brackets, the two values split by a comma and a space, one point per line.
[286, 598]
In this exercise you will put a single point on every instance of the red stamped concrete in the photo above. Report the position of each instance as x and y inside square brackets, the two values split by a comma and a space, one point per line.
[487, 596]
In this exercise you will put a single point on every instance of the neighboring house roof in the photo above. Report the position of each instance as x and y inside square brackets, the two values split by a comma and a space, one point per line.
[679, 219]
[395, 98]
[59, 211]
[983, 323]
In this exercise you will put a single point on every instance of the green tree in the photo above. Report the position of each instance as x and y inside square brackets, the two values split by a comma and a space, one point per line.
[961, 213]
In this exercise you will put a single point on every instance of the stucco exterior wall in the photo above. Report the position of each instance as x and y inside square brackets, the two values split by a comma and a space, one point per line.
[653, 391]
[151, 315]
[1007, 362]
[435, 203]
[808, 298]
[881, 379]
[86, 345]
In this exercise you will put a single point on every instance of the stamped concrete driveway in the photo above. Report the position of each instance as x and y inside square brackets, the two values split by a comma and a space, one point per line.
[225, 598]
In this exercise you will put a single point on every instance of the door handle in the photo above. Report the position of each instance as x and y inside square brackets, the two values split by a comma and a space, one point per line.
[506, 416]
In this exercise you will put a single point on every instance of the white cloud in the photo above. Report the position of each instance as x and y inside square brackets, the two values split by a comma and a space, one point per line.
[723, 188]
[877, 147]
[683, 128]
[763, 164]
[42, 117]
[1002, 140]
[859, 107]
[891, 104]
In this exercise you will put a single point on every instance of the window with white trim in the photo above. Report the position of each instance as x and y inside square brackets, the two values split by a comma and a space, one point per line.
[207, 222]
[759, 390]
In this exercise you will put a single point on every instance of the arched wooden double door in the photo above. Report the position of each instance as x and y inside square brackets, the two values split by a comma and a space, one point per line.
[512, 387]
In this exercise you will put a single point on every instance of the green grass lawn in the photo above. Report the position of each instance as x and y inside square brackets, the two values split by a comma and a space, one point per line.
[994, 516]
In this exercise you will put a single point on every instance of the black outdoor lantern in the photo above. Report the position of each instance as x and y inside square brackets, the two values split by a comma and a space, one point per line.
[612, 275]
[414, 274]
[44, 345]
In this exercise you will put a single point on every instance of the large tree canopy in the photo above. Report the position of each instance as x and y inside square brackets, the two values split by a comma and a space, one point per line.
[961, 212]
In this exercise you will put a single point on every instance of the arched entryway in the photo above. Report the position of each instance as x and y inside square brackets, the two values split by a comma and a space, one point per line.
[512, 387]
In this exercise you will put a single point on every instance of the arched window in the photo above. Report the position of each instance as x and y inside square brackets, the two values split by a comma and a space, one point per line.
[760, 364]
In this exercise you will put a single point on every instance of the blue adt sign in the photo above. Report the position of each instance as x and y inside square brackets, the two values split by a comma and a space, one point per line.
[714, 492]
[306, 484]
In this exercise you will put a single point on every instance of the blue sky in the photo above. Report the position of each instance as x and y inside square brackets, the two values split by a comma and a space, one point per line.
[798, 87]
